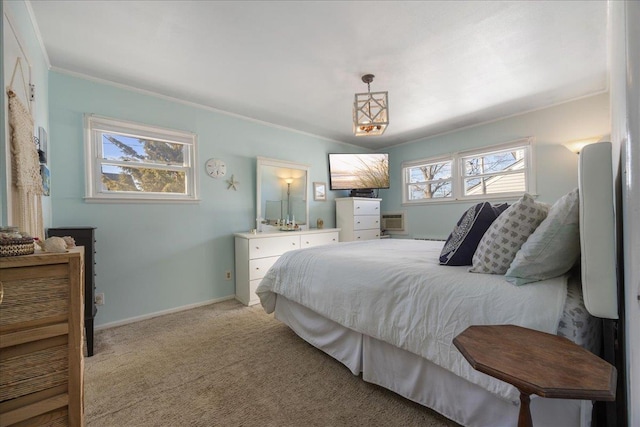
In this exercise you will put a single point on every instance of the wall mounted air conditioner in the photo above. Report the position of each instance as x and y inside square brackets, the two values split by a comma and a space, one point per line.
[393, 222]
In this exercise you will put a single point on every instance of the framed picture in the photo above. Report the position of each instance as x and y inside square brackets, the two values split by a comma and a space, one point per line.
[46, 179]
[42, 144]
[320, 191]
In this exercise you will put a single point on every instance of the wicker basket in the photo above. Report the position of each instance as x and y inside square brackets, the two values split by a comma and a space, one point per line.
[16, 246]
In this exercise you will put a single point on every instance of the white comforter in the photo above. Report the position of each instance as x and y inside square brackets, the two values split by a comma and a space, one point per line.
[394, 290]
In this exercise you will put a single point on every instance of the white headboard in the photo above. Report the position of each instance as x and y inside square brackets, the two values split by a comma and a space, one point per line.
[597, 231]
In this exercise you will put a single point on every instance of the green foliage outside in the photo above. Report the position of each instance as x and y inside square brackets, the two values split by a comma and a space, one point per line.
[141, 179]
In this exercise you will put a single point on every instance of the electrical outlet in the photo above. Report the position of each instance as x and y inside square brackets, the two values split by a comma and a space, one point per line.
[227, 275]
[100, 299]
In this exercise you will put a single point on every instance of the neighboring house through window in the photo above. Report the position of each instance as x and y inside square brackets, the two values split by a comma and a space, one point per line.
[492, 172]
[128, 161]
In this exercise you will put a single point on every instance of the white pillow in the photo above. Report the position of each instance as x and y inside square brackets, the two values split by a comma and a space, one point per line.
[553, 248]
[507, 233]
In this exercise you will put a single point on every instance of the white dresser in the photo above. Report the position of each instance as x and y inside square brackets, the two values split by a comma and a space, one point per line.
[256, 253]
[358, 218]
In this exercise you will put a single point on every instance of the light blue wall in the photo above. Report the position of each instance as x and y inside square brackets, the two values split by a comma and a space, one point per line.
[556, 167]
[19, 14]
[156, 257]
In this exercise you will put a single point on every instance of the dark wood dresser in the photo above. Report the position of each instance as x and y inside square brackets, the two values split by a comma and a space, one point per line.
[84, 236]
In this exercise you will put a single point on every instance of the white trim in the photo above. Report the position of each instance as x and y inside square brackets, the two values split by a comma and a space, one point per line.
[444, 201]
[36, 29]
[119, 199]
[194, 104]
[161, 313]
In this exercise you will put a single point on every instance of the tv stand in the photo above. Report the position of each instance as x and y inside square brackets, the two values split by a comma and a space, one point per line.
[362, 193]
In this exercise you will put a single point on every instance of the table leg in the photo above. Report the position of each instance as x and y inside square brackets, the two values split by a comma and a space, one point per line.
[524, 418]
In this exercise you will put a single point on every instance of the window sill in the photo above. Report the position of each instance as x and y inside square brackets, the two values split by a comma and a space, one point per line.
[130, 200]
[508, 197]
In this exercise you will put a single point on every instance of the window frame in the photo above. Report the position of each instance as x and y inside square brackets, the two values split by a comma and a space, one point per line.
[95, 126]
[458, 173]
[424, 162]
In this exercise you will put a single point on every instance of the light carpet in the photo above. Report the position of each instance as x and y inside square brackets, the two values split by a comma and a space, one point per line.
[229, 365]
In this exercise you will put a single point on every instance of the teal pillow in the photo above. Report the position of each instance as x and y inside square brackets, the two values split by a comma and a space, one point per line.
[553, 248]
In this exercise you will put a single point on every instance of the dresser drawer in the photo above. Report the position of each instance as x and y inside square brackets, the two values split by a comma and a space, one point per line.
[311, 240]
[271, 246]
[258, 267]
[366, 207]
[367, 234]
[366, 222]
[253, 298]
[35, 295]
[26, 371]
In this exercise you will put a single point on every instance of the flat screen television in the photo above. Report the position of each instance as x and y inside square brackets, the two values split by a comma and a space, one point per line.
[358, 172]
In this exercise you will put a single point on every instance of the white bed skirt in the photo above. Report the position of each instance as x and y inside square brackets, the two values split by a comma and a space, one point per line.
[421, 381]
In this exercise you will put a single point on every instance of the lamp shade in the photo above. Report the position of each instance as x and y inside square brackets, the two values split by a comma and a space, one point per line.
[577, 145]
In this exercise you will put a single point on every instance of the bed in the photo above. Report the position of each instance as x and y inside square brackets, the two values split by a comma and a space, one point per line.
[388, 310]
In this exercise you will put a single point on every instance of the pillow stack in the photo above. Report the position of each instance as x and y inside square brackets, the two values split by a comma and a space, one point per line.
[505, 236]
[527, 241]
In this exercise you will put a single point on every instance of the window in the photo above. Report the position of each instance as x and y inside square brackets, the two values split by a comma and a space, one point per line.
[493, 172]
[133, 162]
[432, 180]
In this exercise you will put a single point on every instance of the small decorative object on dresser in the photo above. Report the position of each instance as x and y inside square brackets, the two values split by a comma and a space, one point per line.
[14, 243]
[358, 218]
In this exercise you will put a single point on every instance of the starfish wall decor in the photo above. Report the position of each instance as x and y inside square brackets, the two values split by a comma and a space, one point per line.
[232, 184]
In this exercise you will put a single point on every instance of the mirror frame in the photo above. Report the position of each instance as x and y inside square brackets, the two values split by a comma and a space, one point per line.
[265, 161]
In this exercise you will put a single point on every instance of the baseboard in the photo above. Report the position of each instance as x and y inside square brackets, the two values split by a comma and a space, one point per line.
[160, 313]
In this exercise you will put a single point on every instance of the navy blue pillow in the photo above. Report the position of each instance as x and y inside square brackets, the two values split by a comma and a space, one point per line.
[466, 235]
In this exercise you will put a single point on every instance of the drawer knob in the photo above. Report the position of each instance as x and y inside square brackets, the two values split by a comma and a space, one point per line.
[357, 222]
[307, 242]
[257, 247]
[293, 243]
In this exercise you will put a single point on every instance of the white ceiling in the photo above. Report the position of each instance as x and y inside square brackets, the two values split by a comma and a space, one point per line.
[298, 64]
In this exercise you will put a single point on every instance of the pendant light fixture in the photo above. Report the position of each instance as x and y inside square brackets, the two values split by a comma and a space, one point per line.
[370, 111]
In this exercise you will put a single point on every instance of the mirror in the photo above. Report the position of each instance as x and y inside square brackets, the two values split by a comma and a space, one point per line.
[281, 194]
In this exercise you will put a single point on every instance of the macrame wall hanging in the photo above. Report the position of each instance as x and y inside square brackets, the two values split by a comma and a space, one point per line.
[26, 183]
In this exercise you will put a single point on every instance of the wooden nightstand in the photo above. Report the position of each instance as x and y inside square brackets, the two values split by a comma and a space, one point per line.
[537, 363]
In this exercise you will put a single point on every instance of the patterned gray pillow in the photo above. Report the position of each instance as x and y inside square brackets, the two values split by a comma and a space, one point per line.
[505, 236]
